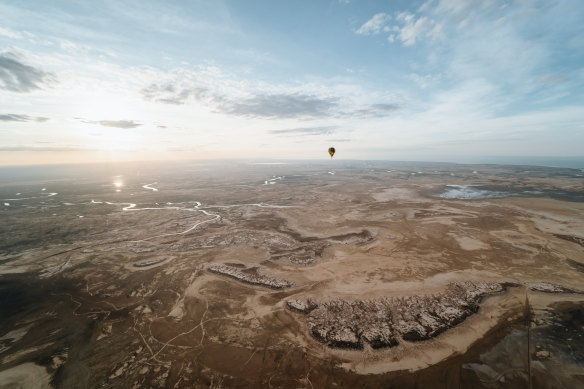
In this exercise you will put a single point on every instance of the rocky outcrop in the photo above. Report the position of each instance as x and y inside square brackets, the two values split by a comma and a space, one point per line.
[423, 317]
[365, 236]
[546, 287]
[249, 276]
[302, 306]
[306, 250]
[304, 254]
[149, 262]
[381, 322]
[571, 238]
[347, 324]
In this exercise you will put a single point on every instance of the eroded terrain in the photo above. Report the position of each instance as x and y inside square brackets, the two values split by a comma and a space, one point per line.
[206, 275]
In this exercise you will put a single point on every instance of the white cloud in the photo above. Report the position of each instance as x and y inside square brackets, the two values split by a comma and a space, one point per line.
[409, 28]
[425, 80]
[458, 6]
[437, 32]
[413, 29]
[462, 24]
[9, 33]
[425, 6]
[374, 25]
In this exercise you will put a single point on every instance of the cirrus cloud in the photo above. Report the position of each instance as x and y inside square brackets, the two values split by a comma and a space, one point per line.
[374, 25]
[322, 130]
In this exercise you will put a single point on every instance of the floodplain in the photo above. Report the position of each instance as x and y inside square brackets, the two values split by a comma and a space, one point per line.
[298, 274]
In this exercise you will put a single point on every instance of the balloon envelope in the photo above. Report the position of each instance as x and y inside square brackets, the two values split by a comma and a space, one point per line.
[332, 151]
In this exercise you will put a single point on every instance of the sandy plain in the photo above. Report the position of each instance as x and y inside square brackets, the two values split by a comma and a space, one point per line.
[107, 286]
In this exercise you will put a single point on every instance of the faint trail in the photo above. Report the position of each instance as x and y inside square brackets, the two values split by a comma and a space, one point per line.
[61, 252]
[182, 365]
[188, 332]
[202, 322]
[161, 343]
[143, 340]
[308, 379]
[249, 359]
[79, 304]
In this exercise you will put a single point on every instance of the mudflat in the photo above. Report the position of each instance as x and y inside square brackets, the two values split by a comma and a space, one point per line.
[337, 274]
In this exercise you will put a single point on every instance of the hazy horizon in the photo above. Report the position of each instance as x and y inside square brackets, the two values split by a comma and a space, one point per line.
[571, 162]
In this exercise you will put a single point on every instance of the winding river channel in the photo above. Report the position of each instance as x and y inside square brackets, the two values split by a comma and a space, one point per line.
[132, 207]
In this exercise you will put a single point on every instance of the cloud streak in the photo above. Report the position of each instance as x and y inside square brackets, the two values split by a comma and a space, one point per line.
[124, 124]
[17, 76]
[12, 117]
[283, 105]
[374, 25]
[322, 130]
[280, 106]
[168, 93]
[258, 105]
[44, 148]
[370, 111]
[5, 32]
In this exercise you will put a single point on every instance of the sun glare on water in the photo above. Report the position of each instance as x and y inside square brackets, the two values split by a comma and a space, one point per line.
[118, 185]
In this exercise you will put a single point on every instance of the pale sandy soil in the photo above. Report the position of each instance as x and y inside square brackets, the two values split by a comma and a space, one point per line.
[25, 376]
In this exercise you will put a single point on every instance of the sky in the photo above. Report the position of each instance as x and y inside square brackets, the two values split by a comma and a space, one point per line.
[437, 80]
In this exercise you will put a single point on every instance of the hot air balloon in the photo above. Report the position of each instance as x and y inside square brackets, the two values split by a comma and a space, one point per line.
[332, 151]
